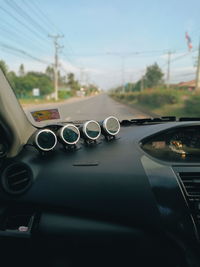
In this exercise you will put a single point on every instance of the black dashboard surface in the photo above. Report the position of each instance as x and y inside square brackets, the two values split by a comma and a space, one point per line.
[115, 182]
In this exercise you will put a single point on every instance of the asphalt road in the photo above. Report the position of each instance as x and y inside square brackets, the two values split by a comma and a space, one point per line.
[96, 107]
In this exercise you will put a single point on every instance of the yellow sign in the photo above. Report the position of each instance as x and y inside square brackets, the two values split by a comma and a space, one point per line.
[43, 115]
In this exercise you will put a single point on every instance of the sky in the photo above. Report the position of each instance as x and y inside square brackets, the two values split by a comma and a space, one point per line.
[106, 42]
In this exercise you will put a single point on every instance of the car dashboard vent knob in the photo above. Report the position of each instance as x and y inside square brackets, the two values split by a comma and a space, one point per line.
[17, 178]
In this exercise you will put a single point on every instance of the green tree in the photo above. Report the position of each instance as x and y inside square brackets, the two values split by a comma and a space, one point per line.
[23, 86]
[62, 80]
[40, 80]
[72, 83]
[153, 76]
[91, 89]
[50, 72]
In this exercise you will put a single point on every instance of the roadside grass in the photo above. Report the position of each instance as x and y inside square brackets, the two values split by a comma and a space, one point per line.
[172, 110]
[163, 102]
[29, 100]
[34, 101]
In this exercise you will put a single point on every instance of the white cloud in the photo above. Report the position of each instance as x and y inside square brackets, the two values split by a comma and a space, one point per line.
[69, 67]
[184, 69]
[183, 74]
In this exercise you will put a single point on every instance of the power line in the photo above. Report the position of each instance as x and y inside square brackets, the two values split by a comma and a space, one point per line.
[183, 75]
[13, 34]
[11, 52]
[43, 15]
[125, 54]
[20, 22]
[45, 18]
[182, 56]
[37, 13]
[136, 52]
[179, 57]
[12, 48]
[24, 15]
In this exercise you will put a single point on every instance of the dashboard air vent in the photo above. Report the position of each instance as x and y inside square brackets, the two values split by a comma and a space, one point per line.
[17, 178]
[191, 183]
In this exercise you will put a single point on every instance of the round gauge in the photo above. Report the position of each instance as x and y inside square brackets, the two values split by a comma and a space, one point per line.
[111, 126]
[45, 140]
[69, 134]
[91, 130]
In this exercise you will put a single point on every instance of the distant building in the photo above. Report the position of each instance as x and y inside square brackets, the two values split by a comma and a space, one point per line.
[190, 85]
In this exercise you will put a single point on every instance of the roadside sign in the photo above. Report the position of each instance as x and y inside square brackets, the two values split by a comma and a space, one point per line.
[36, 92]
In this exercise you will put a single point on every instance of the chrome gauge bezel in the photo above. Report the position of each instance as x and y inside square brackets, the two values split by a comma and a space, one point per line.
[105, 126]
[85, 130]
[62, 136]
[37, 136]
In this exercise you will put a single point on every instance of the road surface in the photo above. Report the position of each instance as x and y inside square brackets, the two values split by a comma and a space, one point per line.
[96, 107]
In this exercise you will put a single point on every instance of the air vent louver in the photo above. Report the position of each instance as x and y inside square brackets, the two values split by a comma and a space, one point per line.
[191, 183]
[17, 178]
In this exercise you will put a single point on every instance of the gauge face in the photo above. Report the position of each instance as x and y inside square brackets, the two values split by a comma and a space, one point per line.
[111, 125]
[46, 140]
[92, 130]
[70, 134]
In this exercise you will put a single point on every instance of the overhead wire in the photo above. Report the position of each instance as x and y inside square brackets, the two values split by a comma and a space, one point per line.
[42, 14]
[24, 15]
[36, 9]
[13, 33]
[20, 22]
[18, 50]
[41, 31]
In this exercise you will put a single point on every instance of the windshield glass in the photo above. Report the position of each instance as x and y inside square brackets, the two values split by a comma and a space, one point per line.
[87, 60]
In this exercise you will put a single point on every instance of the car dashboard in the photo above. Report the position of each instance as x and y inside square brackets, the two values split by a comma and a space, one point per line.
[147, 178]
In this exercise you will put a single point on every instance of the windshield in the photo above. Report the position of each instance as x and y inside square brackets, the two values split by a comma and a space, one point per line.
[87, 60]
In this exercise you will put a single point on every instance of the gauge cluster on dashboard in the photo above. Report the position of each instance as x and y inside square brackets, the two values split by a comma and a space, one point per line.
[70, 134]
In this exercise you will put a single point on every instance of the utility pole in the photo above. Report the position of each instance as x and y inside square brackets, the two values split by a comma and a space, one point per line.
[142, 84]
[168, 68]
[198, 72]
[56, 47]
[123, 57]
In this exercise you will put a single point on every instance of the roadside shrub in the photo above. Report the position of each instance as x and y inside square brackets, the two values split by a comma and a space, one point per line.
[64, 94]
[192, 106]
[131, 96]
[152, 98]
[158, 98]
